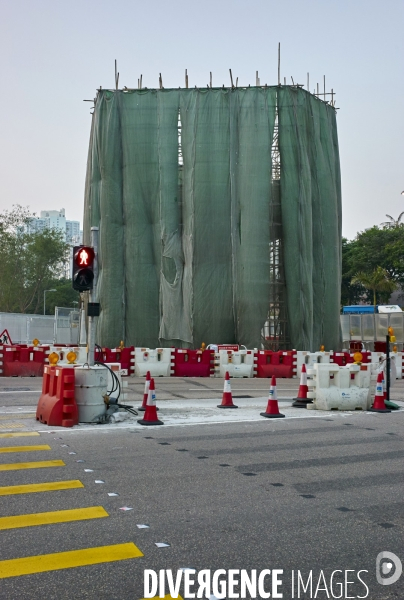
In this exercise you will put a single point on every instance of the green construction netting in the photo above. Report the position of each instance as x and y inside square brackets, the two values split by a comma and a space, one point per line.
[186, 221]
[311, 218]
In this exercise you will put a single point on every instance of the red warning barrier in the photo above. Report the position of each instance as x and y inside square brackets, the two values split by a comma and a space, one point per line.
[366, 357]
[194, 363]
[23, 361]
[276, 364]
[122, 355]
[342, 358]
[380, 347]
[57, 405]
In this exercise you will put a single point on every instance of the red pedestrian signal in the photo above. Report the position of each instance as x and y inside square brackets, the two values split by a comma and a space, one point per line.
[83, 268]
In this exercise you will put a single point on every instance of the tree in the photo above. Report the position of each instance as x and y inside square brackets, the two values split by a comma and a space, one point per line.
[30, 262]
[376, 247]
[377, 281]
[393, 222]
[351, 293]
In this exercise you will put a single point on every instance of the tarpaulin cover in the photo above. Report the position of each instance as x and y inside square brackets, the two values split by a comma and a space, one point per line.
[184, 244]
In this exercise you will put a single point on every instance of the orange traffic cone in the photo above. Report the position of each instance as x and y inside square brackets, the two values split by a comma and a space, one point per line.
[301, 401]
[227, 398]
[146, 392]
[272, 411]
[150, 415]
[378, 404]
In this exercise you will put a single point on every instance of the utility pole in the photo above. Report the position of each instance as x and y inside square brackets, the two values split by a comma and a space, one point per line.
[93, 298]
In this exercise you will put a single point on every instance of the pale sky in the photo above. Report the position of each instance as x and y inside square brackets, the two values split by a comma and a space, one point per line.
[55, 53]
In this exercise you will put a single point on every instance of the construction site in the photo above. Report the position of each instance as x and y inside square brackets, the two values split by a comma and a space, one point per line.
[219, 215]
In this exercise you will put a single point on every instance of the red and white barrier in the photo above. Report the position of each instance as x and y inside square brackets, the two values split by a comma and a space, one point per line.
[160, 362]
[239, 363]
[281, 364]
[22, 361]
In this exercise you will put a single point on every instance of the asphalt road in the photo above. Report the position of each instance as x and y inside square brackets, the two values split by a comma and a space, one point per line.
[321, 493]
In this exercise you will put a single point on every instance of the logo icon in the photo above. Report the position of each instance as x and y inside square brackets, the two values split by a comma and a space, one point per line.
[388, 563]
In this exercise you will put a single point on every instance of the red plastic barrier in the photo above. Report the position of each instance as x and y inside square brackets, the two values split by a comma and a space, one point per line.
[57, 405]
[114, 355]
[278, 364]
[366, 357]
[194, 363]
[342, 358]
[355, 346]
[380, 347]
[23, 361]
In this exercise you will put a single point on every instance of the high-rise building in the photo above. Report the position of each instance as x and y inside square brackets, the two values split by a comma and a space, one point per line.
[56, 219]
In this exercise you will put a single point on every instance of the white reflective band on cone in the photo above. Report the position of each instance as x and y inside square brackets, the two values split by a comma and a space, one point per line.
[150, 398]
[272, 393]
[227, 386]
[303, 379]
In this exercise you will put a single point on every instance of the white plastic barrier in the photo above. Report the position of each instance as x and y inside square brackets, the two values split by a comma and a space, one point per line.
[160, 362]
[63, 351]
[332, 387]
[240, 363]
[379, 358]
[398, 362]
[116, 368]
[311, 358]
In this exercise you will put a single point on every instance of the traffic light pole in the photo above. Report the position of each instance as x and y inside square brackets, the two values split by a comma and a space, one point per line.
[93, 298]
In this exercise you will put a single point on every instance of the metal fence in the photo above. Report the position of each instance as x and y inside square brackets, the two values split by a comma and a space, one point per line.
[372, 328]
[63, 328]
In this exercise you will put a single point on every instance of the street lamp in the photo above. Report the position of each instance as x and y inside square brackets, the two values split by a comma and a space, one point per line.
[44, 299]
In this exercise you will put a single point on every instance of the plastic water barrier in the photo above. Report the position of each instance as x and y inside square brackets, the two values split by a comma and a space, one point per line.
[239, 363]
[194, 363]
[23, 361]
[57, 405]
[311, 358]
[160, 362]
[279, 364]
[123, 356]
[332, 387]
[63, 351]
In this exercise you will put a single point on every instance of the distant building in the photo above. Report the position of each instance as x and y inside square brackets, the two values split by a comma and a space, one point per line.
[56, 219]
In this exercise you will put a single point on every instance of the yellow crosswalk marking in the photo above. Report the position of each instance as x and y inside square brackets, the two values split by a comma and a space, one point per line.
[57, 516]
[24, 448]
[12, 416]
[30, 488]
[32, 465]
[19, 434]
[67, 560]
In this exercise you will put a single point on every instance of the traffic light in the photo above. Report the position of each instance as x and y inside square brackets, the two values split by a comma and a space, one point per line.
[83, 268]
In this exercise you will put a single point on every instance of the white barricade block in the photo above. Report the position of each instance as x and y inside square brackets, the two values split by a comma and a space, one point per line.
[160, 362]
[397, 372]
[398, 362]
[63, 351]
[240, 363]
[339, 388]
[311, 358]
[116, 368]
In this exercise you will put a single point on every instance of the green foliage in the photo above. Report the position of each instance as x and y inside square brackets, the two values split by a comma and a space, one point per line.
[372, 249]
[31, 262]
[64, 296]
[351, 293]
[377, 281]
